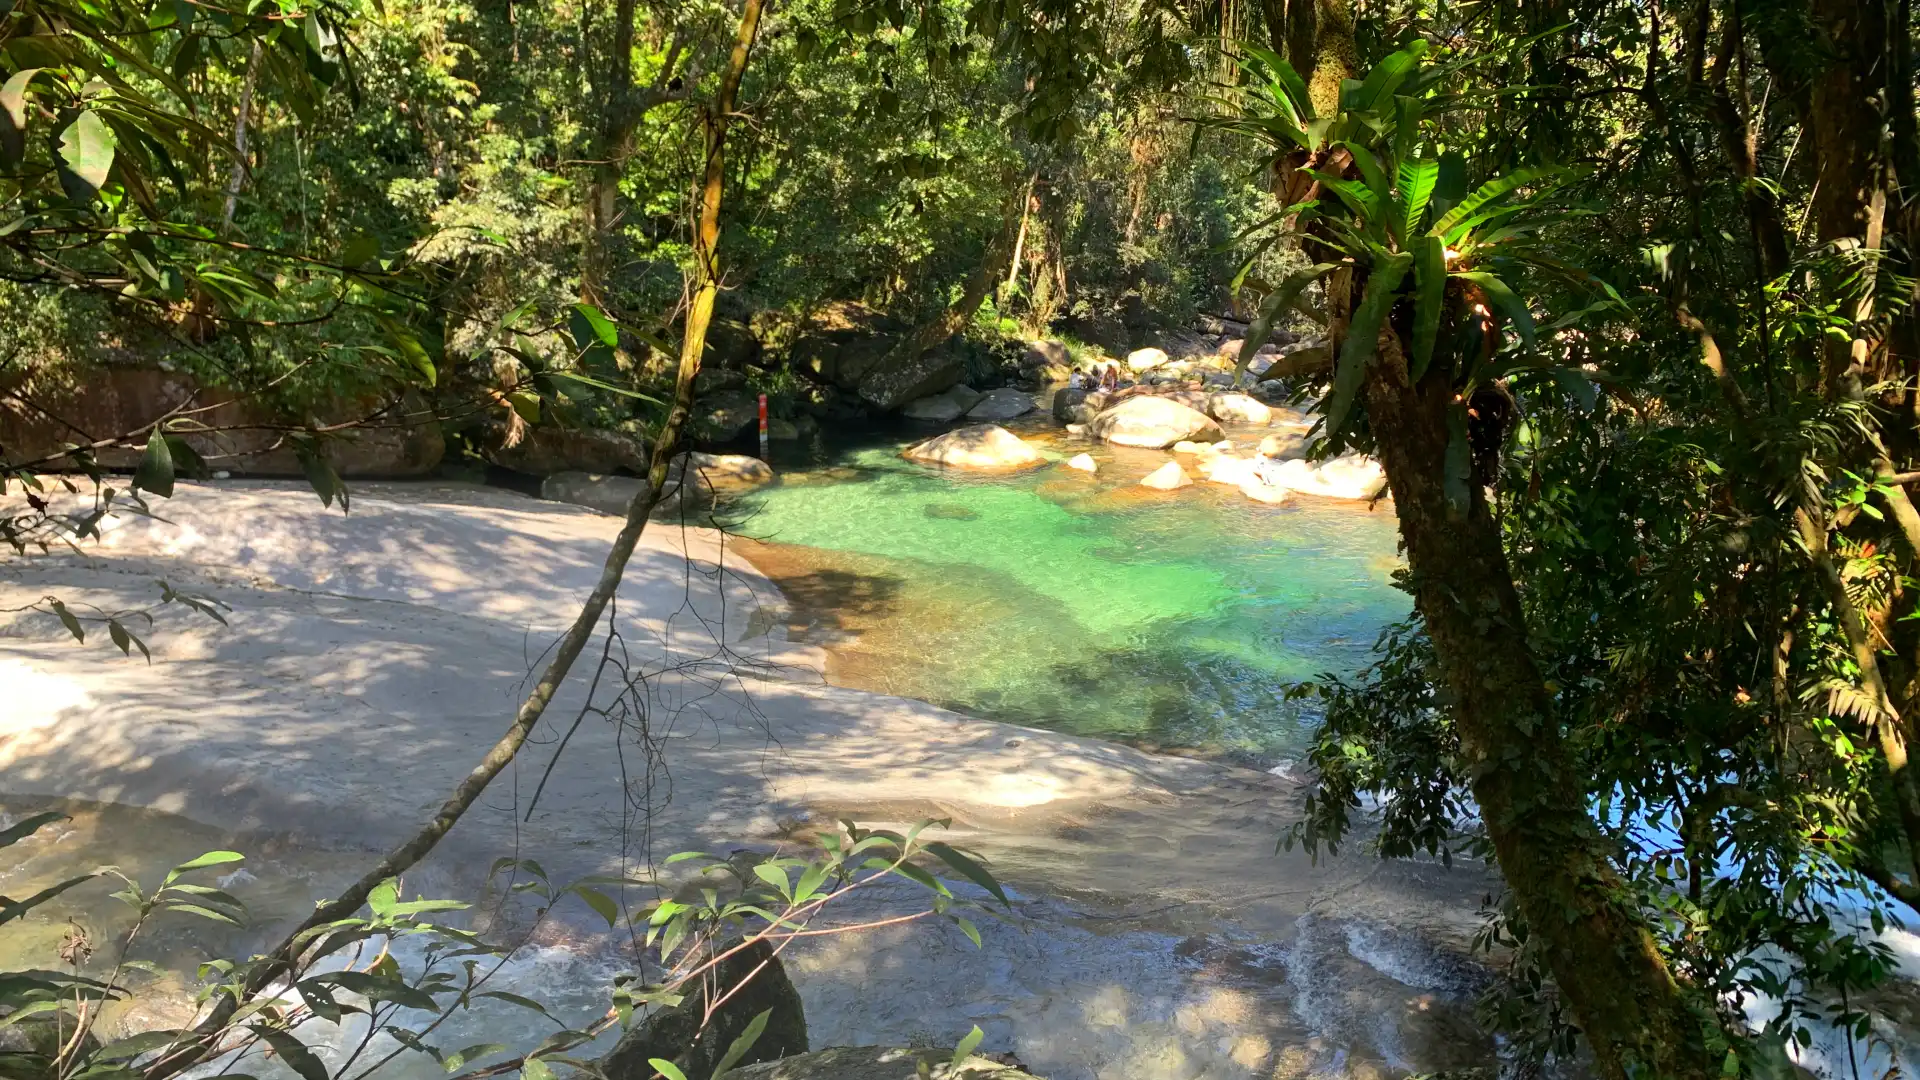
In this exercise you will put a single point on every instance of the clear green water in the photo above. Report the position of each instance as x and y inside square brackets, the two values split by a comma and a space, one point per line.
[1087, 604]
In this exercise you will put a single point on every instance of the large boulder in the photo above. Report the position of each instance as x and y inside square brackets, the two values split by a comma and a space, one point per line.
[880, 1063]
[949, 404]
[895, 379]
[677, 1034]
[1003, 404]
[1153, 422]
[1040, 354]
[1238, 409]
[982, 446]
[1349, 476]
[607, 494]
[1285, 444]
[726, 416]
[117, 400]
[1146, 359]
[1072, 406]
[543, 451]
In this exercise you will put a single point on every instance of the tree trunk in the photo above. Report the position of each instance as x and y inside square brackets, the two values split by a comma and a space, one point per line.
[1637, 1019]
[625, 106]
[706, 233]
[954, 318]
[1849, 198]
[238, 177]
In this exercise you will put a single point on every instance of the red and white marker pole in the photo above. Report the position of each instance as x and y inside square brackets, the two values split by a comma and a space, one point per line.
[763, 427]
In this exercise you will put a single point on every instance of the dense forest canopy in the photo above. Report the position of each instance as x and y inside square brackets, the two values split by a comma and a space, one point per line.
[1621, 295]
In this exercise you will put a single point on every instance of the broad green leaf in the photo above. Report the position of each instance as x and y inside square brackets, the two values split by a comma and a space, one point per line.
[1489, 191]
[205, 913]
[292, 1052]
[598, 327]
[360, 250]
[741, 1045]
[775, 876]
[69, 620]
[1503, 301]
[515, 999]
[666, 1069]
[86, 153]
[155, 472]
[1429, 299]
[1416, 181]
[966, 1047]
[967, 928]
[535, 1069]
[414, 353]
[1372, 173]
[1376, 91]
[13, 117]
[1363, 334]
[127, 640]
[1450, 186]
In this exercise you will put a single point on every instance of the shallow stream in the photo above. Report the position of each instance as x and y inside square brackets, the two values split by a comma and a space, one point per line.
[1084, 603]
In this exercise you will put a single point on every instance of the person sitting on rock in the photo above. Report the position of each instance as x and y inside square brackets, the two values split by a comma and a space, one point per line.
[1110, 378]
[1077, 380]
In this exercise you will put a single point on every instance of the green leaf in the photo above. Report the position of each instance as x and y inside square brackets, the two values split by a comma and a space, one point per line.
[135, 1045]
[1429, 299]
[741, 1045]
[597, 327]
[516, 999]
[1416, 182]
[966, 927]
[155, 472]
[1450, 186]
[382, 988]
[969, 869]
[1363, 334]
[320, 475]
[471, 1053]
[1377, 90]
[381, 899]
[1372, 173]
[292, 1052]
[1278, 301]
[535, 1069]
[775, 876]
[86, 154]
[600, 902]
[1505, 302]
[201, 862]
[13, 117]
[127, 640]
[414, 353]
[666, 1069]
[1489, 191]
[1577, 386]
[69, 620]
[206, 913]
[360, 250]
[26, 827]
[966, 1048]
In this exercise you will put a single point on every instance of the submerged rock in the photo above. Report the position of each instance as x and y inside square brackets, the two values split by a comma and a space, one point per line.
[1153, 422]
[676, 1034]
[1286, 444]
[1167, 477]
[1003, 404]
[982, 446]
[1083, 462]
[1238, 409]
[881, 1063]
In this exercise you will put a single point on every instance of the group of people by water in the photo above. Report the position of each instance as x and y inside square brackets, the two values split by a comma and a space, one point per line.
[1102, 377]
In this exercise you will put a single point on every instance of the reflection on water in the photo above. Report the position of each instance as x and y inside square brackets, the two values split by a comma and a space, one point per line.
[1082, 603]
